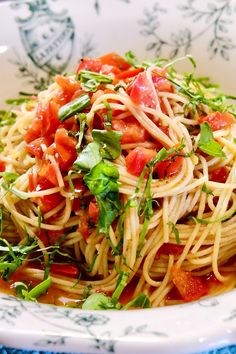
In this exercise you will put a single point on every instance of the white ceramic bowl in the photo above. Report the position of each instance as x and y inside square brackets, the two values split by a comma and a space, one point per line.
[45, 36]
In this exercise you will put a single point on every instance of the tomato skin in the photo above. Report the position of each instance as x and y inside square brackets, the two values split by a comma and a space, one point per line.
[127, 74]
[170, 248]
[65, 269]
[138, 158]
[34, 131]
[54, 235]
[68, 85]
[49, 117]
[93, 212]
[65, 146]
[219, 175]
[83, 227]
[115, 60]
[142, 92]
[161, 84]
[169, 168]
[132, 131]
[89, 64]
[43, 237]
[2, 166]
[48, 172]
[49, 202]
[190, 287]
[34, 148]
[218, 120]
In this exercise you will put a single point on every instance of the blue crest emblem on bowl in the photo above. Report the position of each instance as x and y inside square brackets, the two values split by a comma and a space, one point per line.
[47, 37]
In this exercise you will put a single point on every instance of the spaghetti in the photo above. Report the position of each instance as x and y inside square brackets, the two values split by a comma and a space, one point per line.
[119, 182]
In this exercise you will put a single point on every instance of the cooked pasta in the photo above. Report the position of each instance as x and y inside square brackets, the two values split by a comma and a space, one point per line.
[119, 182]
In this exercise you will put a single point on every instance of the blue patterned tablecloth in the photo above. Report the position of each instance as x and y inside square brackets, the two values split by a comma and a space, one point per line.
[3, 350]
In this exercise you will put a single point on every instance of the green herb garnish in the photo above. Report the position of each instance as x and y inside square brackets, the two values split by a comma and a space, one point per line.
[207, 143]
[91, 80]
[73, 107]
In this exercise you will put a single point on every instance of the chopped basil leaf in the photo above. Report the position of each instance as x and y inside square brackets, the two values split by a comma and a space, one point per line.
[175, 232]
[8, 180]
[89, 157]
[73, 107]
[141, 301]
[18, 101]
[102, 181]
[120, 285]
[109, 141]
[34, 293]
[12, 257]
[82, 120]
[91, 80]
[131, 58]
[206, 190]
[201, 221]
[107, 117]
[7, 118]
[99, 301]
[207, 143]
[234, 140]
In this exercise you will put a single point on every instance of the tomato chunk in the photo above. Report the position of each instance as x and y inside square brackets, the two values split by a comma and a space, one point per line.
[93, 212]
[65, 269]
[68, 85]
[89, 64]
[161, 84]
[169, 168]
[190, 287]
[116, 60]
[138, 158]
[2, 166]
[142, 91]
[132, 131]
[55, 235]
[65, 146]
[170, 248]
[48, 172]
[218, 120]
[49, 202]
[34, 148]
[129, 73]
[219, 175]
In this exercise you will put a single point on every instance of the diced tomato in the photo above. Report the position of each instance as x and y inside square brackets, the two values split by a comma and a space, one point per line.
[65, 269]
[170, 248]
[65, 146]
[55, 235]
[211, 279]
[219, 175]
[129, 73]
[89, 64]
[169, 168]
[116, 60]
[138, 158]
[47, 171]
[49, 202]
[49, 117]
[76, 205]
[128, 292]
[132, 131]
[83, 227]
[161, 84]
[34, 131]
[218, 120]
[142, 92]
[109, 69]
[93, 212]
[2, 166]
[34, 148]
[68, 85]
[190, 287]
[43, 237]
